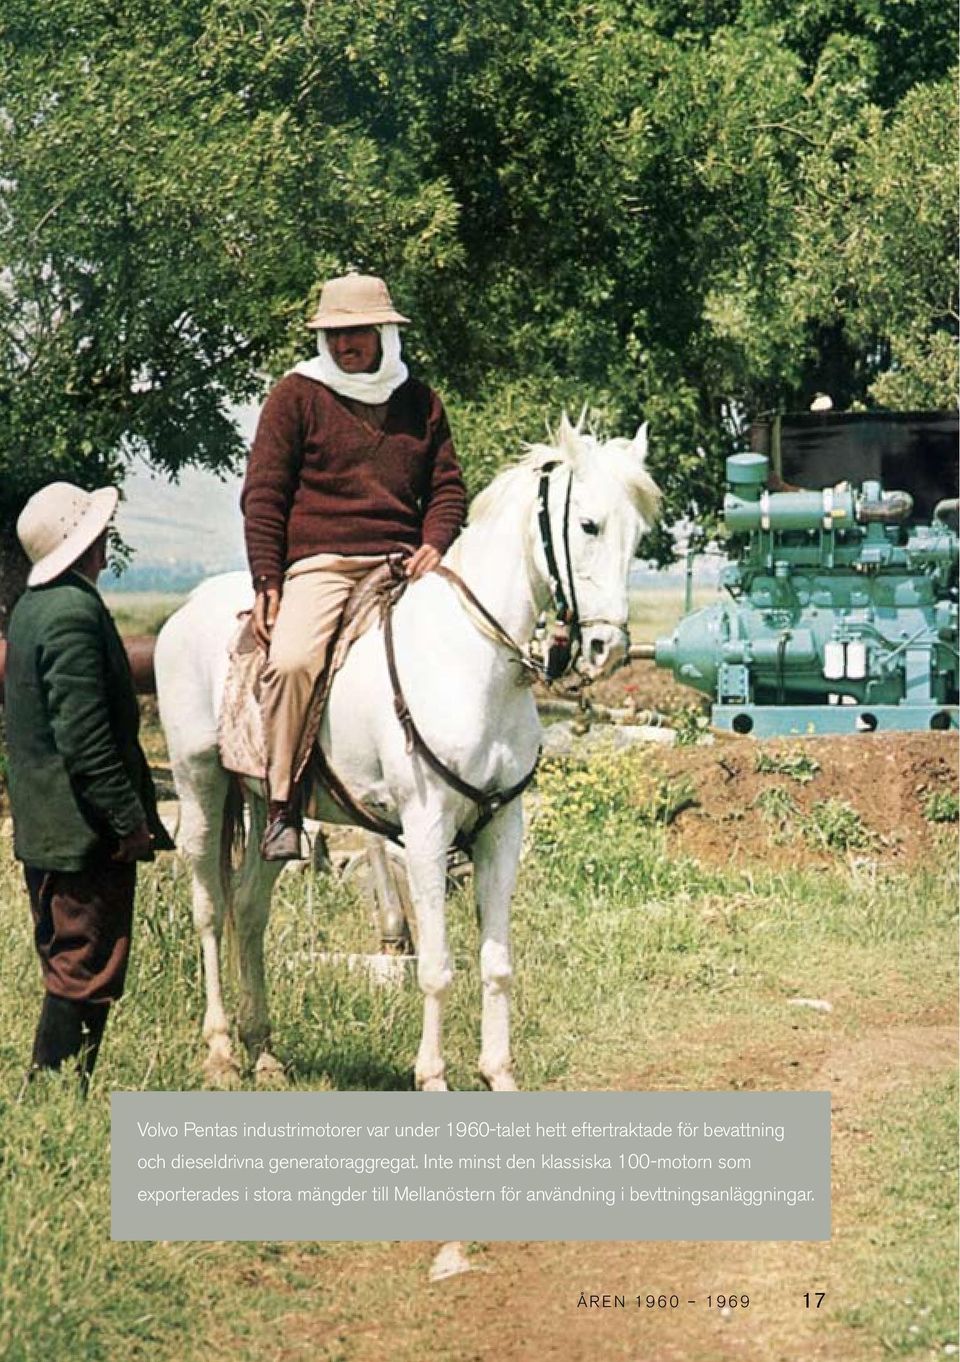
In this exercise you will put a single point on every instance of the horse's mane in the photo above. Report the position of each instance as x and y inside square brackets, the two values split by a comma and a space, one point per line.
[618, 462]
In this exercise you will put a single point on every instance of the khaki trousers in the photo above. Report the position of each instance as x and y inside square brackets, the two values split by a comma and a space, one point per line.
[315, 591]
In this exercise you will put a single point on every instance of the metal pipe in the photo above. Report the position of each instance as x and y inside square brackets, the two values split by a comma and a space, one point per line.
[645, 652]
[894, 508]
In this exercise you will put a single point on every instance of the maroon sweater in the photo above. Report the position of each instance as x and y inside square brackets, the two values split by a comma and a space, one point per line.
[321, 480]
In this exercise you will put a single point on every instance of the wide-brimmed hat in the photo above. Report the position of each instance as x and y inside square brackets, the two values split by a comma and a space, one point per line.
[59, 523]
[354, 300]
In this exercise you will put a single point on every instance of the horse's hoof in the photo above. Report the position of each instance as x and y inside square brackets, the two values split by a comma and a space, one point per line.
[500, 1082]
[221, 1071]
[438, 1084]
[268, 1072]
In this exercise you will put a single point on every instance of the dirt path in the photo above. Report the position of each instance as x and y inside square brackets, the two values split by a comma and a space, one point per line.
[520, 1301]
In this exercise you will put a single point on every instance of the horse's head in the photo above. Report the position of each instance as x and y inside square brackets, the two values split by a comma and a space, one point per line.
[595, 500]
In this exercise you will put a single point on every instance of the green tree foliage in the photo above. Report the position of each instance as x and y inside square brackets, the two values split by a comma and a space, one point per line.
[680, 210]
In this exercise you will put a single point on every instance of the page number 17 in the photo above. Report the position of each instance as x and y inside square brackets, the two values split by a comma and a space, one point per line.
[814, 1299]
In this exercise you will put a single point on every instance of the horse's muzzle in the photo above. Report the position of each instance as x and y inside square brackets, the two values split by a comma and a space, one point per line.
[603, 648]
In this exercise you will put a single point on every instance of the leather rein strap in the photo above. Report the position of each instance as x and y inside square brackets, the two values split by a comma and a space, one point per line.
[532, 668]
[488, 805]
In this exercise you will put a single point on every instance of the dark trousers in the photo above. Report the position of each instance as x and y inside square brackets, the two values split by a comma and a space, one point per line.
[82, 921]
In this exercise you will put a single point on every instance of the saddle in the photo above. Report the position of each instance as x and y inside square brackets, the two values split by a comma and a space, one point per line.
[240, 735]
[240, 731]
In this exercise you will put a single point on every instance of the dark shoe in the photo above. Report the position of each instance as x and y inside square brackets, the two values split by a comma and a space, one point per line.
[59, 1036]
[281, 841]
[94, 1022]
[59, 1032]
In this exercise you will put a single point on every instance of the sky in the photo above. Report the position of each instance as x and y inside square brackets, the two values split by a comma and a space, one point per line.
[196, 520]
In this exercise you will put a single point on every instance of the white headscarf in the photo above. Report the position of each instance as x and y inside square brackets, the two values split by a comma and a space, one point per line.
[372, 388]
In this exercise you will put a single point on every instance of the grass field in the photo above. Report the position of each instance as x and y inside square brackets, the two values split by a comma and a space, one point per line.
[635, 969]
[142, 612]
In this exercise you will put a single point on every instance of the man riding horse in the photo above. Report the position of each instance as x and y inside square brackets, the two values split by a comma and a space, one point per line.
[352, 462]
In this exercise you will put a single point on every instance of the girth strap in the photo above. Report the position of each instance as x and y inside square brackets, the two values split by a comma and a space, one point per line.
[357, 813]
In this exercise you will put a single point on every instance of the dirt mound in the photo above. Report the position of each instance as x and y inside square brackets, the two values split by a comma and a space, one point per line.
[643, 686]
[874, 796]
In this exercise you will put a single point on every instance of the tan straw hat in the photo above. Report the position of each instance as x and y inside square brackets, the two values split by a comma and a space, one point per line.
[59, 523]
[354, 300]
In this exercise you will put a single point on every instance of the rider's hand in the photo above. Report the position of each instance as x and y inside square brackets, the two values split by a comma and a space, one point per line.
[265, 609]
[424, 560]
[135, 846]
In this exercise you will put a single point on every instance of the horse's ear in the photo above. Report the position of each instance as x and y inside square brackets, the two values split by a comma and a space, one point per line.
[640, 443]
[568, 437]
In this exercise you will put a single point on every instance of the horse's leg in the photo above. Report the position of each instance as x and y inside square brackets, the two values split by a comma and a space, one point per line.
[388, 904]
[202, 785]
[495, 860]
[251, 909]
[426, 838]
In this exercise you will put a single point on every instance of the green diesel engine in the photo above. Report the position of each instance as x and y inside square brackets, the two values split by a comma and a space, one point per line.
[840, 618]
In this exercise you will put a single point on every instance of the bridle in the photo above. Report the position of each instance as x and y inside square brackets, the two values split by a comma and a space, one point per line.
[567, 641]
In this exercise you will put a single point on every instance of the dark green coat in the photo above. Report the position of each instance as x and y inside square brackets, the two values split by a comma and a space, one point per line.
[78, 779]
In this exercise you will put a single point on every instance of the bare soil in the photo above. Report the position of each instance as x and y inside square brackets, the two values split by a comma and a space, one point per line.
[641, 685]
[885, 779]
[521, 1302]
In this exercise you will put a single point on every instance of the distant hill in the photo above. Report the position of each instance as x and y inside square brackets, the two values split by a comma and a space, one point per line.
[179, 533]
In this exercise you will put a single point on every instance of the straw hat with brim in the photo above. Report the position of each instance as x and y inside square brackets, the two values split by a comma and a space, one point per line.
[59, 523]
[354, 300]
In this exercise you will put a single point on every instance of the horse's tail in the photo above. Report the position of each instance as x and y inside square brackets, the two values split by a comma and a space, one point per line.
[233, 844]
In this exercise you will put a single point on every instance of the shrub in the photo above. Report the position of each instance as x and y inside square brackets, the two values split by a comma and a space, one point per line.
[836, 824]
[691, 725]
[795, 763]
[776, 805]
[941, 806]
[593, 806]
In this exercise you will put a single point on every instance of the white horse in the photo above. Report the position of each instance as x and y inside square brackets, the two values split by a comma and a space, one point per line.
[562, 523]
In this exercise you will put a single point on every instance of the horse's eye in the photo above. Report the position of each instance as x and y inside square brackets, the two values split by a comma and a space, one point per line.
[589, 527]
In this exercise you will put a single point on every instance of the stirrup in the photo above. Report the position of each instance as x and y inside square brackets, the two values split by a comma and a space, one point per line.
[281, 841]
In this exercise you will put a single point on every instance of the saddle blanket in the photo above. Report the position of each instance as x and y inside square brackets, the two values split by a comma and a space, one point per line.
[240, 727]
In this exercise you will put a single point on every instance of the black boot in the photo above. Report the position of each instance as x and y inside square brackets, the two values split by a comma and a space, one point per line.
[59, 1032]
[281, 841]
[59, 1036]
[94, 1021]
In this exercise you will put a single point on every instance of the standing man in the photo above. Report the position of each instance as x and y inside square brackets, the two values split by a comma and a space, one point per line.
[352, 461]
[83, 803]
